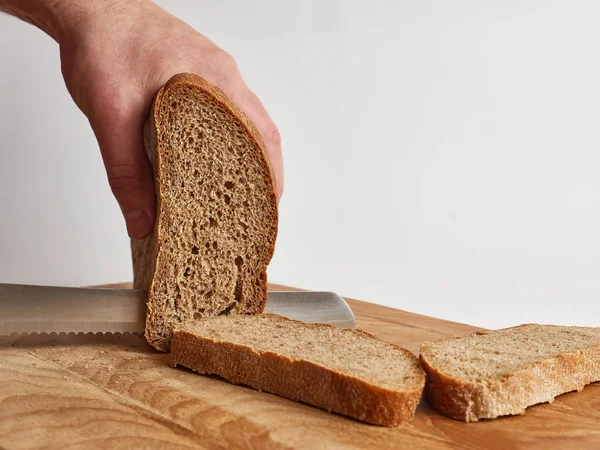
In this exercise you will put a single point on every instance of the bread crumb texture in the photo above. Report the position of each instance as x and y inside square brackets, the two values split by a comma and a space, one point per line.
[217, 211]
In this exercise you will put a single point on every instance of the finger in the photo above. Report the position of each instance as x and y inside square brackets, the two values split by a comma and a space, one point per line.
[271, 137]
[221, 69]
[119, 131]
[254, 109]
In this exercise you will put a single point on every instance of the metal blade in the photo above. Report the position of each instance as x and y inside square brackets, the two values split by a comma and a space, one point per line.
[48, 309]
[312, 307]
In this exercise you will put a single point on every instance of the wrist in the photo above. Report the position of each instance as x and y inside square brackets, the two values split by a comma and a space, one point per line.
[47, 15]
[61, 19]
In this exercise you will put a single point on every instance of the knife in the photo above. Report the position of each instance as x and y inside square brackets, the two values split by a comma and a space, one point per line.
[47, 309]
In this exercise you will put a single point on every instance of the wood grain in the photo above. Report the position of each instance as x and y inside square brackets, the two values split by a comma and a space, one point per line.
[115, 391]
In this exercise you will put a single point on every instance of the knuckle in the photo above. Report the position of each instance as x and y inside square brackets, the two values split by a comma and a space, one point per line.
[107, 103]
[273, 136]
[221, 67]
[111, 103]
[224, 60]
[124, 179]
[252, 104]
[269, 131]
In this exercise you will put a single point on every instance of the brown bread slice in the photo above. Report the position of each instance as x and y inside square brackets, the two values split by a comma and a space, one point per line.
[346, 371]
[488, 374]
[216, 210]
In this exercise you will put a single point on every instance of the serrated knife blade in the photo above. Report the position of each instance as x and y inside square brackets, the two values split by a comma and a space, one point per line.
[54, 309]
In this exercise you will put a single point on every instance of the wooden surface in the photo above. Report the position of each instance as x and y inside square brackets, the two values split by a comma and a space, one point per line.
[115, 391]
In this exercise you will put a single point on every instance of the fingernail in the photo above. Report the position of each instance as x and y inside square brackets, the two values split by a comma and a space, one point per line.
[138, 223]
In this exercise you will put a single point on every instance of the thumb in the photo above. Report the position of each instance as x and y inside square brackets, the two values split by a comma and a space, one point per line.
[120, 137]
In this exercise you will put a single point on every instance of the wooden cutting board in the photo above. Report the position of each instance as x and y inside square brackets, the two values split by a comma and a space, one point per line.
[115, 391]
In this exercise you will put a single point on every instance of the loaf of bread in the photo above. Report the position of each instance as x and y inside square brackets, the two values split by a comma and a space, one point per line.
[216, 210]
[345, 371]
[488, 374]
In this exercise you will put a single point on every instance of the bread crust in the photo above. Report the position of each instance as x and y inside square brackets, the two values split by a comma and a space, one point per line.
[146, 252]
[540, 382]
[298, 380]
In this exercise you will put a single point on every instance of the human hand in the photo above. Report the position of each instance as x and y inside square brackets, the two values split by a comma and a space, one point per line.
[115, 55]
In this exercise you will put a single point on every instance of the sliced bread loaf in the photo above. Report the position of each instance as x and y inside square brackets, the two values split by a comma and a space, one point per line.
[489, 374]
[216, 210]
[345, 371]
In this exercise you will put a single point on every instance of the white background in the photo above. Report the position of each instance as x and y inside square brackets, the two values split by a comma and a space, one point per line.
[441, 157]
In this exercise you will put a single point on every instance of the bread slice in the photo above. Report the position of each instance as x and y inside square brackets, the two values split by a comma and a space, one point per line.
[216, 210]
[345, 371]
[489, 374]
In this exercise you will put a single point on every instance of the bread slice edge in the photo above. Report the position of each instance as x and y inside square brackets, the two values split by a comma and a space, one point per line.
[296, 379]
[540, 382]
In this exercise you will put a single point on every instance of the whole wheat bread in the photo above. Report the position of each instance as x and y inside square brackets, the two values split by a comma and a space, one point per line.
[488, 374]
[216, 210]
[345, 371]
